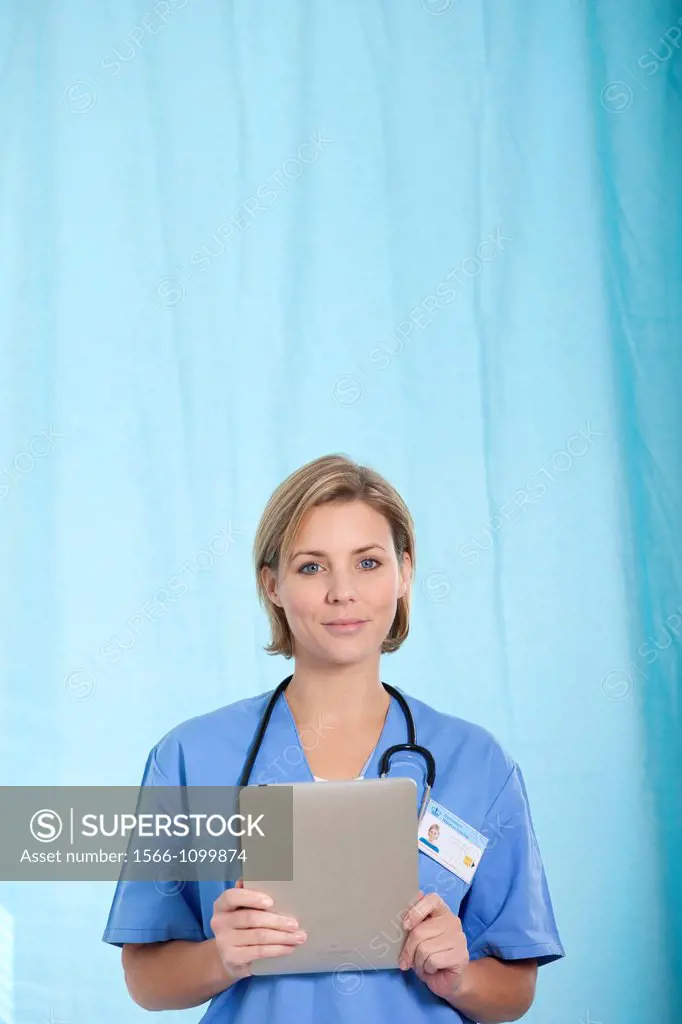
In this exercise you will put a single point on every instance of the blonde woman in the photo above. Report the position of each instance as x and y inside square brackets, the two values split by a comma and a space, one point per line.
[334, 558]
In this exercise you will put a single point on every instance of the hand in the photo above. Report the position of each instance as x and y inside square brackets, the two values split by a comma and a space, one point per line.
[435, 945]
[245, 930]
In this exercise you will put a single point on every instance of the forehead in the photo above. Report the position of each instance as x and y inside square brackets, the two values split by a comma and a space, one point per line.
[342, 524]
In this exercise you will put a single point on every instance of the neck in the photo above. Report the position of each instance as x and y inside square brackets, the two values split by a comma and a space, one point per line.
[337, 694]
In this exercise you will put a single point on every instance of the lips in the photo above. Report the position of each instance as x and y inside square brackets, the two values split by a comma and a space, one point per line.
[345, 622]
[342, 627]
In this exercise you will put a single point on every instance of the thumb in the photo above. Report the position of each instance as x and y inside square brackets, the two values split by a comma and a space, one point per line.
[239, 884]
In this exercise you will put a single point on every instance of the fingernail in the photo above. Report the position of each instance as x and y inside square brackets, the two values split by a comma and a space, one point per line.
[266, 901]
[291, 923]
[300, 936]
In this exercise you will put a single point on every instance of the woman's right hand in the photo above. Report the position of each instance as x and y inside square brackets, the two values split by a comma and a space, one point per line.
[246, 930]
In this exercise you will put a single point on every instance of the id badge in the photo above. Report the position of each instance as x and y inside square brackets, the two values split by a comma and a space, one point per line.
[450, 841]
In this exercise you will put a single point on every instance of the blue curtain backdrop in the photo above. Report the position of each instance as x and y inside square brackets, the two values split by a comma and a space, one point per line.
[441, 237]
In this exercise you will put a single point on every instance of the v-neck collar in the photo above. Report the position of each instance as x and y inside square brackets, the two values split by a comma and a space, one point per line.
[282, 754]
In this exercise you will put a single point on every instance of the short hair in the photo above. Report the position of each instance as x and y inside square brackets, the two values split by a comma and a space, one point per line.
[331, 478]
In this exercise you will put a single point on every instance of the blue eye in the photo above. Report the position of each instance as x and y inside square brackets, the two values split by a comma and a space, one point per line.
[307, 564]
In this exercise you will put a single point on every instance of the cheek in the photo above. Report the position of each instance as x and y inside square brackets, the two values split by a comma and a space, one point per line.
[302, 603]
[384, 594]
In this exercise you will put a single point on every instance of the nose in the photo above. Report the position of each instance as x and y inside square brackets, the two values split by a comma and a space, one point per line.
[341, 588]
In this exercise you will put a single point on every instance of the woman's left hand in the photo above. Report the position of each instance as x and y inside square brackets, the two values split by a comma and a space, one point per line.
[435, 945]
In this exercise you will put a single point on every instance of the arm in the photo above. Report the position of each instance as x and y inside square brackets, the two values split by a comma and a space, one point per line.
[493, 991]
[174, 975]
[489, 991]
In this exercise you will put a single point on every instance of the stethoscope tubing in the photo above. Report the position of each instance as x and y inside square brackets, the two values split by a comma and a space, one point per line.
[384, 764]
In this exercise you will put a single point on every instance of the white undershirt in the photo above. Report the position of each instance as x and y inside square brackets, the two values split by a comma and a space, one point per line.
[318, 779]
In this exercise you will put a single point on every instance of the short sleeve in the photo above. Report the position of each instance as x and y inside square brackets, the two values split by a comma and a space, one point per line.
[148, 911]
[507, 912]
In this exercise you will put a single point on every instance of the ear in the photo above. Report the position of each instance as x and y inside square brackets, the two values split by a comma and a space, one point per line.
[405, 573]
[269, 580]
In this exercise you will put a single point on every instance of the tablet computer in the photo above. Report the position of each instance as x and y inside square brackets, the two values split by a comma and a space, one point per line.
[355, 872]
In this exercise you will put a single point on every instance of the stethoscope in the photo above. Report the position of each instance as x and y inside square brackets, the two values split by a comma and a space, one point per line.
[411, 746]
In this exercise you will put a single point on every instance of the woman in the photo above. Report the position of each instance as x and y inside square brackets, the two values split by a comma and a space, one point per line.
[334, 558]
[432, 834]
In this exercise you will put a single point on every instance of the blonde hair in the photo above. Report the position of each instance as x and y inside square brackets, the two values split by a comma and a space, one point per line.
[329, 478]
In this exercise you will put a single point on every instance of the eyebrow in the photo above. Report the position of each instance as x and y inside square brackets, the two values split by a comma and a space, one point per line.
[323, 554]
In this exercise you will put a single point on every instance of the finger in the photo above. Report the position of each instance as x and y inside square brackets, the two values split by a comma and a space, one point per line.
[239, 884]
[428, 929]
[406, 955]
[406, 959]
[234, 897]
[266, 937]
[427, 905]
[443, 960]
[242, 956]
[424, 930]
[250, 918]
[428, 948]
[258, 952]
[413, 902]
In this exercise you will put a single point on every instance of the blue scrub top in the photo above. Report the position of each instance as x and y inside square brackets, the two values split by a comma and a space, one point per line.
[506, 911]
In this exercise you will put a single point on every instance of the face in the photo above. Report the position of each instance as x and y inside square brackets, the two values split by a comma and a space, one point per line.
[343, 567]
[433, 833]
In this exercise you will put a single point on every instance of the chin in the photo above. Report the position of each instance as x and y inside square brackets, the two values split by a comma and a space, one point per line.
[350, 656]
